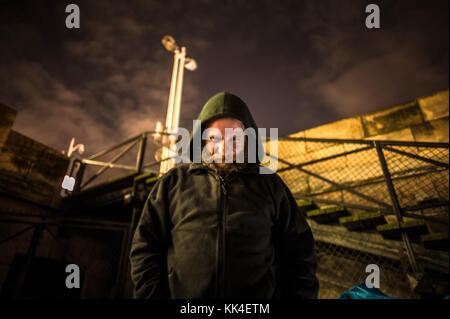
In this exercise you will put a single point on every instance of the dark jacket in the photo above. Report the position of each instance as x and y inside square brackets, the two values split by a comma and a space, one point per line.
[205, 236]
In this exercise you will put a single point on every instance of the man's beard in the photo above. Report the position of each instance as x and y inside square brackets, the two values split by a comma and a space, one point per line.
[223, 168]
[217, 162]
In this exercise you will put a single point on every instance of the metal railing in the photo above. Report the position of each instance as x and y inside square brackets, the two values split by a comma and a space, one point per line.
[38, 226]
[77, 166]
[399, 179]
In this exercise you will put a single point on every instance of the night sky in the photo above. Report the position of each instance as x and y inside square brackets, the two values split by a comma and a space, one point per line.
[297, 64]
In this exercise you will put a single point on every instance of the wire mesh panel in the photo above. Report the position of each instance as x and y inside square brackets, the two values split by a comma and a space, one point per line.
[340, 268]
[327, 171]
[417, 180]
[400, 180]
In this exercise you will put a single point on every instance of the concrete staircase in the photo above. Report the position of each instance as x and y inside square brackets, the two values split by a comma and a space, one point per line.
[372, 221]
[376, 234]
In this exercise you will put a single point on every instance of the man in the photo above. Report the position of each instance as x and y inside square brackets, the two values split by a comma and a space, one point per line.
[222, 230]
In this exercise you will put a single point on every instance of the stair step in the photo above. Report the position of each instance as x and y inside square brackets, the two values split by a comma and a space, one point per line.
[393, 231]
[305, 205]
[363, 221]
[437, 241]
[147, 178]
[327, 215]
[429, 200]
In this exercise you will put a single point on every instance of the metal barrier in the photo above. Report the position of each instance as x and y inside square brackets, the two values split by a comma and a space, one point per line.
[77, 167]
[399, 179]
[38, 227]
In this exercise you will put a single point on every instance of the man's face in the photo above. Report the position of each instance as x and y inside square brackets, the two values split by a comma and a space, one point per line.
[223, 147]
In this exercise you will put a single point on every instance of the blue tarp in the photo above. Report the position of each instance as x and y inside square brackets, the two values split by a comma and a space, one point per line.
[363, 292]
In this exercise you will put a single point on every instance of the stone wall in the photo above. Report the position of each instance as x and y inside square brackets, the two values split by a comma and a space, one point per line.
[30, 182]
[31, 170]
[424, 119]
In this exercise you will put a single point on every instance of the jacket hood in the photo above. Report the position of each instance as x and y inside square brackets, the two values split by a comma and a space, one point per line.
[223, 104]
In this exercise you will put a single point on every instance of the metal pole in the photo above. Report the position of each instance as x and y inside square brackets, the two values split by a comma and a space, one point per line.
[29, 258]
[176, 107]
[179, 90]
[126, 245]
[181, 61]
[122, 268]
[396, 206]
[170, 108]
[141, 153]
[172, 93]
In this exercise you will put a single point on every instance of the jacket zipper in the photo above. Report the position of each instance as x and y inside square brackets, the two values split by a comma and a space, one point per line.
[222, 238]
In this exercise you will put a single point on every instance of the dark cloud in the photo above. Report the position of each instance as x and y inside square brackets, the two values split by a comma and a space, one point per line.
[296, 63]
[361, 71]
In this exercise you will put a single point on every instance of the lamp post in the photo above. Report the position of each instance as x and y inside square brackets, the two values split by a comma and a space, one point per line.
[180, 62]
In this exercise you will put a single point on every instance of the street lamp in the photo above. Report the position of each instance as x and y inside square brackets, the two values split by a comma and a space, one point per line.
[169, 43]
[181, 61]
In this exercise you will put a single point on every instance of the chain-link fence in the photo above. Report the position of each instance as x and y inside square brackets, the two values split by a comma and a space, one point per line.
[394, 197]
[340, 268]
